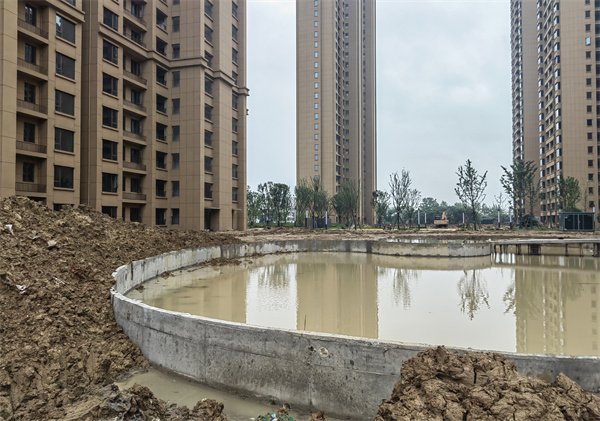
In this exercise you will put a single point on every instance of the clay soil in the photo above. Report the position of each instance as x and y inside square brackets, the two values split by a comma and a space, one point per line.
[61, 350]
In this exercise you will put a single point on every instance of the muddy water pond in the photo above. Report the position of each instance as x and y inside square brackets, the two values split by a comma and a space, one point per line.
[527, 304]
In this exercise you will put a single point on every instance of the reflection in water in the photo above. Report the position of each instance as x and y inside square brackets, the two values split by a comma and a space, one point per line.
[530, 304]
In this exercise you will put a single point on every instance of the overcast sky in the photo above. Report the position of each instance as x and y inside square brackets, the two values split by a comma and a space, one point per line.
[443, 91]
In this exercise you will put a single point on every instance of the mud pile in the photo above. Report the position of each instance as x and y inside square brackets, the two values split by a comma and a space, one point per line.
[58, 338]
[442, 385]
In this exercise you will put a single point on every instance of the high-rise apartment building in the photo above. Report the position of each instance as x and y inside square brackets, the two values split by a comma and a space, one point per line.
[153, 126]
[556, 92]
[336, 129]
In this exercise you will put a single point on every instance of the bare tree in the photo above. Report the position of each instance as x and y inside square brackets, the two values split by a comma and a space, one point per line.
[401, 193]
[470, 189]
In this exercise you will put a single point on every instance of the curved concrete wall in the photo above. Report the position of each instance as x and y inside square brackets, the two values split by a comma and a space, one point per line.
[344, 376]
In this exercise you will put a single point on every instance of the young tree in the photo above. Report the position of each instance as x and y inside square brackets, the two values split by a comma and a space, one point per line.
[519, 184]
[254, 211]
[281, 201]
[569, 193]
[311, 197]
[320, 198]
[413, 199]
[265, 201]
[381, 204]
[303, 195]
[402, 195]
[470, 189]
[499, 206]
[345, 202]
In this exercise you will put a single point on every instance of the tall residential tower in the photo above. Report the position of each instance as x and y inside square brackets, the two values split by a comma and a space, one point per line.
[556, 95]
[336, 112]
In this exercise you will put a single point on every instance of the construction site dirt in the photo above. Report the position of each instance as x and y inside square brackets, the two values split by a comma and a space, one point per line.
[61, 351]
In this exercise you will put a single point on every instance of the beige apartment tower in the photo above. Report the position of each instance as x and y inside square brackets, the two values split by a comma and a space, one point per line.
[139, 108]
[556, 95]
[336, 135]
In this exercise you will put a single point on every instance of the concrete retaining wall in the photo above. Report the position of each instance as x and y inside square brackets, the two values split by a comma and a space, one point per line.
[344, 376]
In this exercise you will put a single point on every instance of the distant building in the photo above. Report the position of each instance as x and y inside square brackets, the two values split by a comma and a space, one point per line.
[555, 95]
[136, 108]
[336, 111]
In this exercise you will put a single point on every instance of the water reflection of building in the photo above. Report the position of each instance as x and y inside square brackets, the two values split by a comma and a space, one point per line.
[557, 310]
[337, 294]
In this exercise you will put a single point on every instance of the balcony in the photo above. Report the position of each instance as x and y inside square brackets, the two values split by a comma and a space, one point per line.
[30, 187]
[134, 166]
[135, 18]
[135, 38]
[31, 106]
[131, 104]
[31, 147]
[134, 196]
[27, 65]
[135, 77]
[132, 135]
[32, 28]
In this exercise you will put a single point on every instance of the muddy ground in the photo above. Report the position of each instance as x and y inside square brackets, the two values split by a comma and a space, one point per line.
[61, 351]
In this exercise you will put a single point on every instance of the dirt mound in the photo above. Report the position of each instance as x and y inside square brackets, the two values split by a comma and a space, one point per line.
[442, 385]
[58, 337]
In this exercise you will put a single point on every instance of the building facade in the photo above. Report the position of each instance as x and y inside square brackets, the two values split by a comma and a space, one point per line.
[158, 131]
[336, 137]
[555, 96]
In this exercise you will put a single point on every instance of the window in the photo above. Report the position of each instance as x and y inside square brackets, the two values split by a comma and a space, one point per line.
[135, 126]
[30, 55]
[161, 104]
[175, 161]
[161, 132]
[136, 97]
[109, 182]
[208, 111]
[234, 32]
[65, 66]
[234, 100]
[234, 9]
[135, 185]
[136, 68]
[590, 163]
[234, 171]
[161, 20]
[161, 46]
[208, 138]
[234, 55]
[176, 78]
[234, 194]
[137, 9]
[176, 51]
[161, 188]
[110, 52]
[110, 211]
[64, 140]
[208, 85]
[176, 131]
[209, 58]
[109, 150]
[64, 103]
[28, 132]
[30, 15]
[161, 218]
[110, 117]
[29, 92]
[208, 33]
[175, 23]
[208, 164]
[111, 19]
[175, 188]
[110, 85]
[208, 190]
[234, 124]
[28, 172]
[234, 76]
[135, 214]
[65, 29]
[208, 8]
[234, 147]
[135, 155]
[161, 75]
[175, 216]
[176, 105]
[316, 75]
[161, 160]
[63, 177]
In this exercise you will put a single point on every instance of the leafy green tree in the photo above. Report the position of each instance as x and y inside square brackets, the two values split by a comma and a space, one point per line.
[381, 203]
[312, 197]
[431, 208]
[569, 193]
[345, 202]
[254, 208]
[303, 195]
[413, 199]
[519, 183]
[281, 201]
[265, 203]
[470, 189]
[404, 199]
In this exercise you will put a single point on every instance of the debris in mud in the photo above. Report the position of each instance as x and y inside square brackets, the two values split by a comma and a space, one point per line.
[442, 385]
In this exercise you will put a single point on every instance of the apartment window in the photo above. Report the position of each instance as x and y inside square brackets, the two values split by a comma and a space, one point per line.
[161, 20]
[234, 55]
[135, 185]
[234, 9]
[110, 182]
[234, 171]
[175, 188]
[316, 75]
[175, 216]
[136, 68]
[30, 54]
[63, 177]
[176, 78]
[136, 97]
[135, 214]
[161, 132]
[161, 188]
[208, 112]
[64, 103]
[587, 14]
[109, 150]
[316, 116]
[588, 40]
[161, 104]
[208, 33]
[65, 29]
[161, 75]
[161, 46]
[28, 132]
[135, 126]
[234, 147]
[29, 92]
[176, 133]
[30, 15]
[65, 66]
[110, 211]
[208, 190]
[234, 100]
[176, 51]
[208, 138]
[175, 161]
[110, 85]
[175, 23]
[176, 105]
[590, 163]
[64, 140]
[28, 175]
[208, 164]
[111, 19]
[137, 9]
[590, 177]
[234, 124]
[208, 8]
[161, 216]
[161, 160]
[209, 58]
[234, 32]
[234, 76]
[234, 194]
[208, 85]
[135, 155]
[316, 34]
[110, 52]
